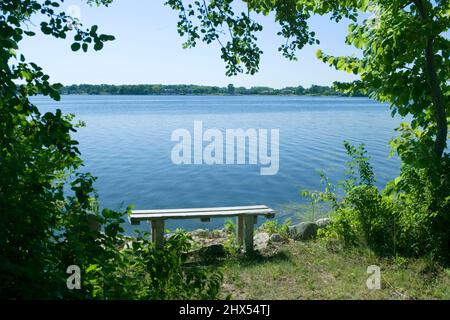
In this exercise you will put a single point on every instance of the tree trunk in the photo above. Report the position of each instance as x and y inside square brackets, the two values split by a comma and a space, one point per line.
[437, 96]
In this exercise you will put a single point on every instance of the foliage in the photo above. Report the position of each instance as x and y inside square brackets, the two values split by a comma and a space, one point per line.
[139, 271]
[230, 244]
[158, 89]
[36, 149]
[49, 213]
[411, 222]
[318, 202]
[229, 226]
[274, 226]
[424, 205]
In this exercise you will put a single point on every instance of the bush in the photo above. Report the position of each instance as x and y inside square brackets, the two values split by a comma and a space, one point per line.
[112, 265]
[139, 271]
[273, 226]
[410, 217]
[423, 204]
[376, 219]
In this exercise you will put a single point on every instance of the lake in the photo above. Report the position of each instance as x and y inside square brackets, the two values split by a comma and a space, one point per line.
[127, 144]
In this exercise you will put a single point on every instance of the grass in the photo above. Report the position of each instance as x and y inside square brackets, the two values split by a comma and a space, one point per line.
[308, 270]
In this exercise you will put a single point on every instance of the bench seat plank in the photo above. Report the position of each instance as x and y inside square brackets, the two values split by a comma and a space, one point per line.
[246, 218]
[137, 216]
[199, 209]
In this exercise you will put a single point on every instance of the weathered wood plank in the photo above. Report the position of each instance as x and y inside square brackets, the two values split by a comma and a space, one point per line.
[240, 230]
[158, 232]
[212, 209]
[248, 233]
[137, 216]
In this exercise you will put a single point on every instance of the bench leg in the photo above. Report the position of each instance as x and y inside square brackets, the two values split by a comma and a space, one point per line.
[158, 232]
[248, 233]
[240, 230]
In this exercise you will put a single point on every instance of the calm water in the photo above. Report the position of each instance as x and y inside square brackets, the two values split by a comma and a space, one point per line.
[127, 145]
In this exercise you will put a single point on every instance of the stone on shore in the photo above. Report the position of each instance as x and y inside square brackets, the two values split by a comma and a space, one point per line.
[303, 231]
[261, 240]
[323, 222]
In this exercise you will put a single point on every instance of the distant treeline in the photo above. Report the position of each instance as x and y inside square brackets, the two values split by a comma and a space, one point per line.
[183, 89]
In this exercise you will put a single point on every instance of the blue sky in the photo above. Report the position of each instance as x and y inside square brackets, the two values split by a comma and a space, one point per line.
[148, 49]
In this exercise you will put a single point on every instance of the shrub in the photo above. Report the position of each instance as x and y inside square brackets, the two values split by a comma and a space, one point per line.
[229, 226]
[423, 204]
[410, 217]
[273, 226]
[139, 271]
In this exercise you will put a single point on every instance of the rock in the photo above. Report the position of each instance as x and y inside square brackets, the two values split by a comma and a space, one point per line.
[201, 233]
[323, 222]
[218, 234]
[276, 237]
[303, 231]
[213, 251]
[261, 240]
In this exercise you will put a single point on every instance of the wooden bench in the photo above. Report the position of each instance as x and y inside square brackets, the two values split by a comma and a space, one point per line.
[246, 217]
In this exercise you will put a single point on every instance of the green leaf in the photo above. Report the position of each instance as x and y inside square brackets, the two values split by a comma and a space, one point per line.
[75, 46]
[93, 31]
[98, 46]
